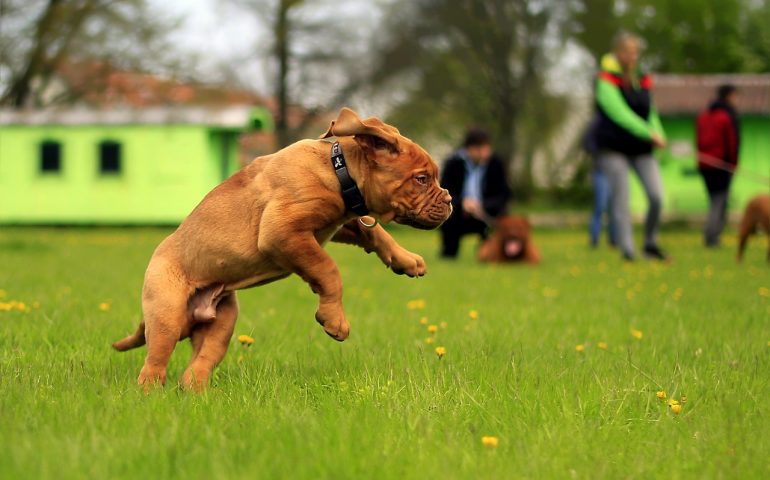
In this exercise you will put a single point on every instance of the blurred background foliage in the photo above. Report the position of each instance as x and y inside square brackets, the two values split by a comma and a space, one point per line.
[433, 67]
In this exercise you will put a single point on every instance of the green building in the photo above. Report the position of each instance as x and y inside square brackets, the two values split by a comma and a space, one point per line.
[126, 166]
[680, 98]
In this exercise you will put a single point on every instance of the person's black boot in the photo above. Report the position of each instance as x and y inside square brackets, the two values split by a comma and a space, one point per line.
[654, 252]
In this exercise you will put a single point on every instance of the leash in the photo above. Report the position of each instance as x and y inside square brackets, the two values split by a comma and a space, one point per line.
[351, 195]
[720, 164]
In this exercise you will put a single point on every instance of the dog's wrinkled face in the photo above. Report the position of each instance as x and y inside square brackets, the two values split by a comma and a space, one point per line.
[406, 178]
[402, 180]
[515, 233]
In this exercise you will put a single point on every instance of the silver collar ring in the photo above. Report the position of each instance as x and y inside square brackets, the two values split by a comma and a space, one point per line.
[367, 225]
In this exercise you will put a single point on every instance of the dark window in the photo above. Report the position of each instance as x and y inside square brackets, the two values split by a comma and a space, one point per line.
[109, 158]
[50, 157]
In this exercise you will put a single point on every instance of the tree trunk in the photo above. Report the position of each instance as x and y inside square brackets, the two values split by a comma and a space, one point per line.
[19, 91]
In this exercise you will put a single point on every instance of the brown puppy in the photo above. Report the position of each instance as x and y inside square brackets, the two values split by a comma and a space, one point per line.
[756, 215]
[269, 220]
[510, 242]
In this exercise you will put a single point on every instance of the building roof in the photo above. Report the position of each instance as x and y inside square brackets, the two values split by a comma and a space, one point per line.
[100, 84]
[235, 117]
[690, 94]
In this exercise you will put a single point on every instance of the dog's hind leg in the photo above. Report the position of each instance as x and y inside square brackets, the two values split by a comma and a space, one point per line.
[166, 316]
[210, 341]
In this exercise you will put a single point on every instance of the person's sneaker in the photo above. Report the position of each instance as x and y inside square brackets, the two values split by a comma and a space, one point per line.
[654, 252]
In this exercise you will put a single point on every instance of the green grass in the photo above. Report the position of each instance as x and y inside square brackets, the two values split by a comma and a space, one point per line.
[382, 405]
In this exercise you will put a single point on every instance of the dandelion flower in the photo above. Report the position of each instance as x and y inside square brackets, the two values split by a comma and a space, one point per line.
[676, 408]
[245, 340]
[104, 306]
[683, 399]
[429, 340]
[440, 351]
[602, 345]
[432, 328]
[444, 325]
[661, 394]
[489, 441]
[764, 292]
[637, 334]
[416, 304]
[473, 314]
[424, 321]
[673, 402]
[580, 348]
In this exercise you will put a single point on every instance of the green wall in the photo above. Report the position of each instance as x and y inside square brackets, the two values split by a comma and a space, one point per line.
[683, 187]
[166, 171]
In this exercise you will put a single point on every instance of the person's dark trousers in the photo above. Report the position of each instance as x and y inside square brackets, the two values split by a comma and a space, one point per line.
[718, 186]
[601, 188]
[459, 225]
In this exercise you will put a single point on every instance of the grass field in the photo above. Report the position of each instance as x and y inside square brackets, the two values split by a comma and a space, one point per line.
[383, 404]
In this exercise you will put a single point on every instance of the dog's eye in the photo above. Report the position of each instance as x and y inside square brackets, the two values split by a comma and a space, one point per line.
[422, 179]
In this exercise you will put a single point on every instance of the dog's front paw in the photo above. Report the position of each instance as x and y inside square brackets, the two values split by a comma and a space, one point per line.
[403, 261]
[332, 319]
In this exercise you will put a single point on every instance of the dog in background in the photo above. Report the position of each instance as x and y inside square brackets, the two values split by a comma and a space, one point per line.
[511, 241]
[270, 220]
[756, 216]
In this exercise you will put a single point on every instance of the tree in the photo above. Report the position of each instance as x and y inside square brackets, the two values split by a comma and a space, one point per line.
[692, 36]
[37, 35]
[472, 62]
[312, 53]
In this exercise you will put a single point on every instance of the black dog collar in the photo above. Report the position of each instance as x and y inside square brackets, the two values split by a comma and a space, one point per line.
[351, 195]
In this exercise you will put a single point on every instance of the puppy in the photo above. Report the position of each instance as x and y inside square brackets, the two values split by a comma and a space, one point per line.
[756, 215]
[271, 219]
[511, 241]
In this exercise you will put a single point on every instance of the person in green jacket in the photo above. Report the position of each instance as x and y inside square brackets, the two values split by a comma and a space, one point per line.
[629, 129]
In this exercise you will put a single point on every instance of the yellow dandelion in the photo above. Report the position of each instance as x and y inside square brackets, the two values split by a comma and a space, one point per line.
[580, 348]
[602, 345]
[473, 314]
[424, 321]
[673, 402]
[637, 334]
[432, 328]
[661, 394]
[429, 340]
[489, 441]
[444, 325]
[245, 340]
[415, 304]
[440, 351]
[549, 292]
[104, 306]
[764, 292]
[676, 408]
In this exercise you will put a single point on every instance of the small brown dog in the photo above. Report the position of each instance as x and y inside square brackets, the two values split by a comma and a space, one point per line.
[510, 242]
[271, 219]
[756, 215]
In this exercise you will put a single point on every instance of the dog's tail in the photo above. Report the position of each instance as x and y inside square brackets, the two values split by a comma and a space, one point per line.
[134, 340]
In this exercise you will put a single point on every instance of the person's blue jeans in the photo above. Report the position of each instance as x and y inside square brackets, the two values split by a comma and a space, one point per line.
[601, 186]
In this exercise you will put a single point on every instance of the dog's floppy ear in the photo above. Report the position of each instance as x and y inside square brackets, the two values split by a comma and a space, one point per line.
[349, 124]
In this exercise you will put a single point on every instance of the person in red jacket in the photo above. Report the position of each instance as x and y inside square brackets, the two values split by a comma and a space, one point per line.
[718, 139]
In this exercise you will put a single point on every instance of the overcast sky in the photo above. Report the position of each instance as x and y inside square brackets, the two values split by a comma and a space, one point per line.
[219, 32]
